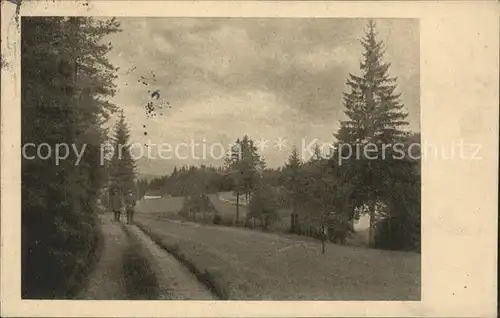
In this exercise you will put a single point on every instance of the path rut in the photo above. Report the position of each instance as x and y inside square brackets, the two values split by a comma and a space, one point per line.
[106, 282]
[156, 273]
[175, 280]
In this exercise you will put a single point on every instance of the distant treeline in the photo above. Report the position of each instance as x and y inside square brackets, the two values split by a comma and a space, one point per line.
[184, 180]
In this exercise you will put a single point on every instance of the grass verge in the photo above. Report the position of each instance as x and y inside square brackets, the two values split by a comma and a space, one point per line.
[203, 275]
[140, 280]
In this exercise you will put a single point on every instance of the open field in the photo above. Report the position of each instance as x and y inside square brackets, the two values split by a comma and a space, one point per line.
[250, 264]
[169, 207]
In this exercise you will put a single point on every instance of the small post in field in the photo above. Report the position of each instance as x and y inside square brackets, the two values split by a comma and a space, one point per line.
[323, 238]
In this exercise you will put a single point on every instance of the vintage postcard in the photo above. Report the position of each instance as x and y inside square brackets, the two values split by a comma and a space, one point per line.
[244, 159]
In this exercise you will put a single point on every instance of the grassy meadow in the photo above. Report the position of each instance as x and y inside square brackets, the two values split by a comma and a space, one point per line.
[251, 264]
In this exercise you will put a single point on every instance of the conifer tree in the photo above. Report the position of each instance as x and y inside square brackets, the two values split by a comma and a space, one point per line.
[374, 116]
[232, 165]
[317, 153]
[250, 166]
[374, 111]
[244, 164]
[122, 164]
[263, 205]
[67, 82]
[293, 184]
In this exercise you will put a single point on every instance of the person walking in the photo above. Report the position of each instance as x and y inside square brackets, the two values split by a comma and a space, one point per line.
[116, 204]
[129, 205]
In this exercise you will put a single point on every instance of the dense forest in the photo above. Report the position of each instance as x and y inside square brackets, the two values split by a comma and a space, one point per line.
[66, 84]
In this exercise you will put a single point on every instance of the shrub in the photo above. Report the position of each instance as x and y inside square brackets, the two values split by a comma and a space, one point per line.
[339, 228]
[197, 204]
[399, 232]
[217, 219]
[263, 206]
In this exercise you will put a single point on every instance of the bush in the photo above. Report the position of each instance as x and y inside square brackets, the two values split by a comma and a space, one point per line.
[58, 255]
[217, 219]
[399, 232]
[339, 228]
[197, 204]
[263, 206]
[227, 221]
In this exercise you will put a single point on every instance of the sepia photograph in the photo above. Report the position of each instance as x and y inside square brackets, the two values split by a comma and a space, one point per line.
[220, 158]
[282, 156]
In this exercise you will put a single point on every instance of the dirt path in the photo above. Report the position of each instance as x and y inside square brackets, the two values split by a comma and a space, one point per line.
[132, 266]
[174, 280]
[107, 281]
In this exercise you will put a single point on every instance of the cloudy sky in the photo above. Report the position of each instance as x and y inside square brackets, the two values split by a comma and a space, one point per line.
[268, 78]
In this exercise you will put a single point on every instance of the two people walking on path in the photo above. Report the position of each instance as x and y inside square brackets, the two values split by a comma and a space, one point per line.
[119, 201]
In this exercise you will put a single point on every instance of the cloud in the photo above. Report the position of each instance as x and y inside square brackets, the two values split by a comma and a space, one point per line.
[225, 77]
[162, 44]
[323, 57]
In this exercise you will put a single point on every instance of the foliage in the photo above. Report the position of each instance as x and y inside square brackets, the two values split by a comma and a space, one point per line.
[122, 165]
[3, 63]
[339, 227]
[142, 188]
[244, 167]
[400, 228]
[195, 204]
[181, 182]
[65, 82]
[325, 204]
[293, 184]
[375, 119]
[263, 206]
[217, 219]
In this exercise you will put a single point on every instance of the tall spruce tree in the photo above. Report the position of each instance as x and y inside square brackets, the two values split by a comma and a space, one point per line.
[375, 113]
[375, 116]
[292, 173]
[122, 164]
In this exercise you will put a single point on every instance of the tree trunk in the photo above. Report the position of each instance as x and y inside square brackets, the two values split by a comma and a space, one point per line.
[297, 223]
[371, 233]
[237, 206]
[390, 232]
[323, 239]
